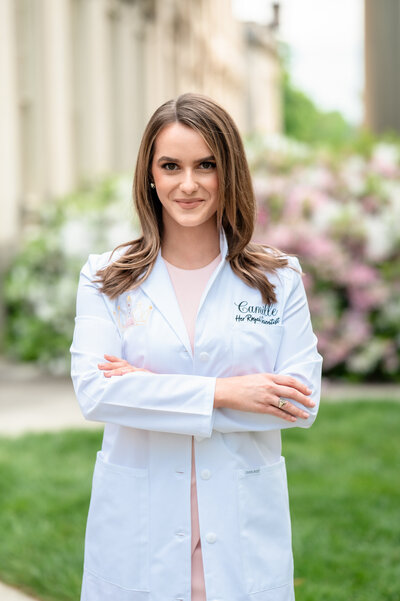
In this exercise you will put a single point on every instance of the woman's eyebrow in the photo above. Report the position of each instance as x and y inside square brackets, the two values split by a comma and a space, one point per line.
[169, 159]
[165, 159]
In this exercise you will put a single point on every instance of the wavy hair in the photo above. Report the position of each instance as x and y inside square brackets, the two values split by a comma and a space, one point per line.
[236, 211]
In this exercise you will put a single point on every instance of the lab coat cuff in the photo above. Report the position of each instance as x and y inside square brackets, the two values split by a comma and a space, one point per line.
[210, 413]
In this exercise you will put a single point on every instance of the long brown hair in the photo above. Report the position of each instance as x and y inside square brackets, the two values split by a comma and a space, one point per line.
[236, 203]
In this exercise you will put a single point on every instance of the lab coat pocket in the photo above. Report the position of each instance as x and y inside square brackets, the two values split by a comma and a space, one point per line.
[117, 533]
[264, 524]
[255, 347]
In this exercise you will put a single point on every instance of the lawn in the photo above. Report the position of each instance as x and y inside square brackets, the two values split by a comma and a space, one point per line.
[344, 484]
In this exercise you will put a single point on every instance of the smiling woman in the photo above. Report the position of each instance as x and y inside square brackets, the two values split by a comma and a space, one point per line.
[189, 497]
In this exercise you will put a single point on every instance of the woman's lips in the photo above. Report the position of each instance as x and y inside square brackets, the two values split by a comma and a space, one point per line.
[189, 204]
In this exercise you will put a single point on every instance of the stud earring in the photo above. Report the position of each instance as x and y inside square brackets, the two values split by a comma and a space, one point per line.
[152, 185]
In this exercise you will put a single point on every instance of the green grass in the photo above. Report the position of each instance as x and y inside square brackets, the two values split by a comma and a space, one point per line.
[344, 484]
[45, 485]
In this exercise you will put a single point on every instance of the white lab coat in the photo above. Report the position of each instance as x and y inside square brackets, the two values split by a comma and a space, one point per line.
[138, 536]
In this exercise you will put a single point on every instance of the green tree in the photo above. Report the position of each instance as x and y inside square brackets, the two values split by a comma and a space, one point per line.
[305, 122]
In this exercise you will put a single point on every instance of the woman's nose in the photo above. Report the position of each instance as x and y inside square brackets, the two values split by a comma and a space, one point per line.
[189, 184]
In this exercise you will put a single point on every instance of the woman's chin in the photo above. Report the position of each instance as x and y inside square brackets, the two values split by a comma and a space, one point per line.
[189, 220]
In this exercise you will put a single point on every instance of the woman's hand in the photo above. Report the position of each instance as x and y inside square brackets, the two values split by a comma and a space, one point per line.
[261, 393]
[117, 367]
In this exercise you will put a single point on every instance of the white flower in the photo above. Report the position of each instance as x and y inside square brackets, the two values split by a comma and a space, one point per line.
[385, 158]
[329, 213]
[353, 174]
[76, 239]
[366, 359]
[379, 237]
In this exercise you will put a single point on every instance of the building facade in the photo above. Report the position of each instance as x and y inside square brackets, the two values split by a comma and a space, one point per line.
[382, 65]
[80, 78]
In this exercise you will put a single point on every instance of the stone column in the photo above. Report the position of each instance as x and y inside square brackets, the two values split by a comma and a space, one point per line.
[382, 65]
[57, 97]
[92, 88]
[9, 134]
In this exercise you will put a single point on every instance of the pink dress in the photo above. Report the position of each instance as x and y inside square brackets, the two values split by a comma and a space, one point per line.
[189, 285]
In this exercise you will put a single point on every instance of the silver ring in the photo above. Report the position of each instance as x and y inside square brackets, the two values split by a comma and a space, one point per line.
[282, 403]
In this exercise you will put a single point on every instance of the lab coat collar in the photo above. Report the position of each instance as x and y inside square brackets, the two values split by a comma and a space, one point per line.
[158, 287]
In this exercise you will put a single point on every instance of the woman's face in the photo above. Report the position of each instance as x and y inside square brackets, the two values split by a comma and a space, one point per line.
[185, 176]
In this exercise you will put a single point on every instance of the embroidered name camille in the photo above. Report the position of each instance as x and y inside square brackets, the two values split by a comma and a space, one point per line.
[263, 314]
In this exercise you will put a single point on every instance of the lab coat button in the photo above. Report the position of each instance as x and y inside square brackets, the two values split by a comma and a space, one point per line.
[205, 474]
[204, 357]
[211, 537]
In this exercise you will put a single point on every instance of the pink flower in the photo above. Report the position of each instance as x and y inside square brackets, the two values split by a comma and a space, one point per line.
[356, 327]
[360, 274]
[262, 216]
[367, 298]
[280, 236]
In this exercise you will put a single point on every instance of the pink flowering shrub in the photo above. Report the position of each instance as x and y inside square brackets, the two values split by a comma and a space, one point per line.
[341, 217]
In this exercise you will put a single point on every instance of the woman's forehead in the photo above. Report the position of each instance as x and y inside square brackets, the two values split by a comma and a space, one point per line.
[176, 140]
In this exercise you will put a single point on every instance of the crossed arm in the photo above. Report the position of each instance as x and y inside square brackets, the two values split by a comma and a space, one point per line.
[257, 393]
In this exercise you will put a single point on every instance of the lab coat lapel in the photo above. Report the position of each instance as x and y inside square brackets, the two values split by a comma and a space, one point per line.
[159, 289]
[223, 246]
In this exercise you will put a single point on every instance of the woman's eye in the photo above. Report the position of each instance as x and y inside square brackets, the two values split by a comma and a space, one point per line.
[207, 165]
[170, 166]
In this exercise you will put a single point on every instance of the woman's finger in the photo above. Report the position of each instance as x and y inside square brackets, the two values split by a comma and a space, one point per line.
[116, 360]
[295, 395]
[291, 409]
[117, 372]
[118, 367]
[291, 383]
[114, 364]
[120, 371]
[113, 358]
[286, 409]
[272, 410]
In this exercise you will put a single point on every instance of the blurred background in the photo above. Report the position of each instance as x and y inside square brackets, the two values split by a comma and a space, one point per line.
[314, 86]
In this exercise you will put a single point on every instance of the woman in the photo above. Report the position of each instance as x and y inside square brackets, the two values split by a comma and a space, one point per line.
[211, 338]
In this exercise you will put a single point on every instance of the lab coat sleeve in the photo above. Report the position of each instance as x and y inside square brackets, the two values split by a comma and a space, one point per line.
[297, 357]
[175, 403]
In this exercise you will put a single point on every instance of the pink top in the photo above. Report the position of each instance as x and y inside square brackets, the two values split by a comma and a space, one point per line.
[189, 285]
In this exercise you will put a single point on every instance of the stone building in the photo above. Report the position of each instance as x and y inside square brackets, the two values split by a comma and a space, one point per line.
[382, 65]
[81, 77]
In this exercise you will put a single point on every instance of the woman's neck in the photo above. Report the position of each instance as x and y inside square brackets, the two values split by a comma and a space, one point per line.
[190, 247]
